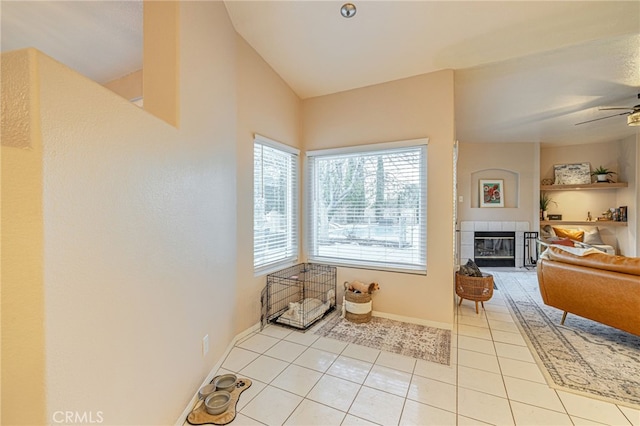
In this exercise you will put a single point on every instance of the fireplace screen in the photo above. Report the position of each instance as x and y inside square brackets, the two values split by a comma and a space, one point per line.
[494, 248]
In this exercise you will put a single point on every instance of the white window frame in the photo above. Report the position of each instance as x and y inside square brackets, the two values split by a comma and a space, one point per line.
[417, 267]
[291, 250]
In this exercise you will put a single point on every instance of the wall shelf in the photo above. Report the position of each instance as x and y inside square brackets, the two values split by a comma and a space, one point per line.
[609, 185]
[582, 222]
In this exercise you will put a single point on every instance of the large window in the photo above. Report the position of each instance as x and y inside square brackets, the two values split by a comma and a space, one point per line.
[275, 203]
[367, 206]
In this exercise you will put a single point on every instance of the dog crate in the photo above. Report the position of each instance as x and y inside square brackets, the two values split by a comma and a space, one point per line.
[299, 296]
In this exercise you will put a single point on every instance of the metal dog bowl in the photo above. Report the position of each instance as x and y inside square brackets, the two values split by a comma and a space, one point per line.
[217, 402]
[206, 390]
[226, 382]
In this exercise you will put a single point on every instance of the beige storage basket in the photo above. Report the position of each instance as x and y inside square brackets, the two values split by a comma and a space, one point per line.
[358, 306]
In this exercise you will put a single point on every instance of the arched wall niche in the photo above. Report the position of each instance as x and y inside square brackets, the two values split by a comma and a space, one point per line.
[511, 190]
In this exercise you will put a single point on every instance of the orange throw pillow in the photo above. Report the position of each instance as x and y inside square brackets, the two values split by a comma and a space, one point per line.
[564, 242]
[573, 234]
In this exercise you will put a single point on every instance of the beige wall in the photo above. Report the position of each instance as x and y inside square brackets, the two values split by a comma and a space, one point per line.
[267, 106]
[516, 164]
[139, 245]
[411, 108]
[23, 298]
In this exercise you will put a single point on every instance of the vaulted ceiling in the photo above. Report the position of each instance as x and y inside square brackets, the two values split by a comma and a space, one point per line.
[525, 71]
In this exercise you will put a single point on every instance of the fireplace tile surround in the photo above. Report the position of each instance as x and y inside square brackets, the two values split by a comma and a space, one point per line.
[466, 240]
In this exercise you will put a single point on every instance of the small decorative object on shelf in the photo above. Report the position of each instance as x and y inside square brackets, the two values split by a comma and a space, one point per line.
[602, 174]
[589, 218]
[546, 182]
[555, 217]
[623, 213]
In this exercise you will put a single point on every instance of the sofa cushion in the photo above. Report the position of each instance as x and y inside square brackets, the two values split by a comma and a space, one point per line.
[574, 234]
[592, 236]
[607, 262]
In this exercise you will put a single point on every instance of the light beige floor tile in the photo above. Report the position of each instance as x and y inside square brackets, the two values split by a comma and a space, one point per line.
[432, 370]
[276, 331]
[377, 406]
[350, 369]
[388, 380]
[250, 393]
[483, 381]
[286, 351]
[239, 358]
[484, 407]
[272, 406]
[511, 327]
[398, 362]
[475, 344]
[632, 414]
[471, 331]
[306, 339]
[533, 393]
[521, 370]
[499, 316]
[415, 413]
[351, 420]
[296, 379]
[362, 353]
[242, 420]
[478, 360]
[528, 415]
[334, 392]
[508, 337]
[577, 421]
[474, 319]
[592, 409]
[432, 392]
[313, 414]
[329, 345]
[466, 421]
[521, 353]
[263, 369]
[258, 343]
[316, 359]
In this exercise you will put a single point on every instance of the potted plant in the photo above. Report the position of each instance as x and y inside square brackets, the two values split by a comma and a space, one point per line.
[545, 200]
[602, 174]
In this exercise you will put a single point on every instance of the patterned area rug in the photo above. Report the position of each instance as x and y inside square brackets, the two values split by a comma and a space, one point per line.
[581, 356]
[417, 341]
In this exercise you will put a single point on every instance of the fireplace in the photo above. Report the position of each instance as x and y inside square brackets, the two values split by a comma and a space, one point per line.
[494, 248]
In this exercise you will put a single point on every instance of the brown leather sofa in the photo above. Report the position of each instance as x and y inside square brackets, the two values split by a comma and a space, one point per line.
[600, 287]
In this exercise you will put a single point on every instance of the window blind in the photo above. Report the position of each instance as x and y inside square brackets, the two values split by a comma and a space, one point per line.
[367, 207]
[275, 197]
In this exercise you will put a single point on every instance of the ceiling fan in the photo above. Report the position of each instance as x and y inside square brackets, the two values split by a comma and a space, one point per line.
[633, 114]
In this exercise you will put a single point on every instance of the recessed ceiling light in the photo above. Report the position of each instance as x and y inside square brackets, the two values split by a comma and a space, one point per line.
[348, 10]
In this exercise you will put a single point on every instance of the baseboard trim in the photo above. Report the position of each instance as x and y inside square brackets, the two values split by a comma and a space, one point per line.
[412, 320]
[183, 417]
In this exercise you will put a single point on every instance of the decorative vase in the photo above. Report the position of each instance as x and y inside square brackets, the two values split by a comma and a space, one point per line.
[601, 178]
[545, 216]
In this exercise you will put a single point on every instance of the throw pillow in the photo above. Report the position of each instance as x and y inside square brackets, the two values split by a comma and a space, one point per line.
[574, 234]
[474, 268]
[546, 232]
[592, 236]
[564, 242]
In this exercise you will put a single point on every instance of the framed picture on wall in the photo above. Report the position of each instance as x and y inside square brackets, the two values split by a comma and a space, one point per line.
[572, 174]
[491, 193]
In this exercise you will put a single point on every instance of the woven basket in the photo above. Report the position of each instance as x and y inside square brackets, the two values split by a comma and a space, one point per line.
[478, 289]
[363, 303]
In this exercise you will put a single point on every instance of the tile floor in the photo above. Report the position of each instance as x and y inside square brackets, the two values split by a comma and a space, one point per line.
[302, 379]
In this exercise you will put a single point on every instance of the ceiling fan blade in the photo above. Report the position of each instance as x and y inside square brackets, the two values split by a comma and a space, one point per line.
[602, 118]
[614, 108]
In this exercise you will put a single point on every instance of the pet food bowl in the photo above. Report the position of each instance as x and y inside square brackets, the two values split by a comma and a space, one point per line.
[226, 382]
[206, 390]
[217, 402]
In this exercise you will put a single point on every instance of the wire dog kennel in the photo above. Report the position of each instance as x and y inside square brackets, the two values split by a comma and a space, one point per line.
[299, 296]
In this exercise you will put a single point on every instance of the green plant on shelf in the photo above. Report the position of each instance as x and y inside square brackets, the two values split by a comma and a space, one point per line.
[602, 171]
[545, 200]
